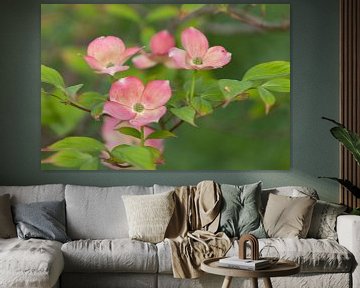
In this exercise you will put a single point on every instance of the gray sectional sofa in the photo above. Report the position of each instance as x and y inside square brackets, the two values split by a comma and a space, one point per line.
[101, 254]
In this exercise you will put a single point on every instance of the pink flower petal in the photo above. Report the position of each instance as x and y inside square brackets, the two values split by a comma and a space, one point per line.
[194, 42]
[148, 116]
[178, 57]
[128, 53]
[156, 94]
[143, 62]
[216, 57]
[93, 63]
[127, 91]
[162, 42]
[113, 69]
[118, 111]
[106, 50]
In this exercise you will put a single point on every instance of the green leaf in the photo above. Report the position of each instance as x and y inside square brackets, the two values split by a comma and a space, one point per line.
[347, 184]
[186, 114]
[97, 110]
[232, 88]
[51, 76]
[91, 99]
[202, 106]
[91, 164]
[161, 134]
[71, 91]
[130, 131]
[83, 144]
[190, 8]
[349, 139]
[163, 12]
[268, 98]
[139, 157]
[268, 70]
[123, 11]
[157, 155]
[71, 159]
[278, 85]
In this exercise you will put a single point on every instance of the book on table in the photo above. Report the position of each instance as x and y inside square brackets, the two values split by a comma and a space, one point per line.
[236, 262]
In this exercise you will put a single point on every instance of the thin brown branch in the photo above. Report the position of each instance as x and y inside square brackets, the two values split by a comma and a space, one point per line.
[68, 102]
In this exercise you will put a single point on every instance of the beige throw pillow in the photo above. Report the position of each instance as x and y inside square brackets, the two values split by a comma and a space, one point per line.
[7, 226]
[288, 217]
[149, 215]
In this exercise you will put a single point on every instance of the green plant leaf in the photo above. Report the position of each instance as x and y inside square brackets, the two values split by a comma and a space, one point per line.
[347, 184]
[202, 106]
[232, 88]
[267, 97]
[186, 114]
[97, 110]
[51, 76]
[163, 12]
[72, 159]
[145, 34]
[71, 91]
[83, 144]
[268, 70]
[130, 131]
[139, 157]
[123, 11]
[161, 134]
[91, 164]
[278, 85]
[91, 99]
[157, 155]
[349, 139]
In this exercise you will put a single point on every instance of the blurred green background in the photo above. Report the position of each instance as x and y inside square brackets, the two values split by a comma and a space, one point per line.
[238, 137]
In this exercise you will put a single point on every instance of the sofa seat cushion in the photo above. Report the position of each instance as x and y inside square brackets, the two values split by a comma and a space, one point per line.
[30, 263]
[115, 255]
[313, 255]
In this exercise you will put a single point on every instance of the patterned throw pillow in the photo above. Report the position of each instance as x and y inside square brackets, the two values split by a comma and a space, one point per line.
[149, 215]
[288, 217]
[240, 213]
[323, 223]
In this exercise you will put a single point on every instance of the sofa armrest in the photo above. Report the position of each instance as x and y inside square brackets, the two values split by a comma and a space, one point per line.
[348, 230]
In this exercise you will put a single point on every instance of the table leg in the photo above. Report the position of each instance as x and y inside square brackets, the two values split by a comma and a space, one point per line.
[254, 282]
[267, 283]
[227, 282]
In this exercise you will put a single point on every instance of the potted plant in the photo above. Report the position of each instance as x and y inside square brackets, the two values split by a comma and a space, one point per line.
[351, 141]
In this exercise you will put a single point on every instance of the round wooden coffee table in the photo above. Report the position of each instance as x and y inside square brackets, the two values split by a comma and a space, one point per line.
[281, 268]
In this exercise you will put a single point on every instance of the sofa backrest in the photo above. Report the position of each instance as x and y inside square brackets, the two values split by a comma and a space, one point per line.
[36, 193]
[98, 212]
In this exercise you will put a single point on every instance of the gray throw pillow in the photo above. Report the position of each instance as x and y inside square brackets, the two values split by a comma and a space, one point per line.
[323, 222]
[7, 227]
[240, 213]
[43, 220]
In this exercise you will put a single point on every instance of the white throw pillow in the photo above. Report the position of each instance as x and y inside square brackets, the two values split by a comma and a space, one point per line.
[149, 215]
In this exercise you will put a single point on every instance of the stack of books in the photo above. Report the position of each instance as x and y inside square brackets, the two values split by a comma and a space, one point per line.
[248, 264]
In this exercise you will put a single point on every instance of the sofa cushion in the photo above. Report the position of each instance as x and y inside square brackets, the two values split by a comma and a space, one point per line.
[98, 213]
[36, 193]
[42, 220]
[291, 191]
[117, 255]
[149, 215]
[30, 263]
[323, 222]
[313, 255]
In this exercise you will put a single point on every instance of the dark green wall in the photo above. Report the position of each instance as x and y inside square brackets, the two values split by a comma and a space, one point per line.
[314, 47]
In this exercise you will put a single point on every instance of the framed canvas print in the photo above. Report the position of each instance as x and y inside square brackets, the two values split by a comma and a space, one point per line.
[165, 87]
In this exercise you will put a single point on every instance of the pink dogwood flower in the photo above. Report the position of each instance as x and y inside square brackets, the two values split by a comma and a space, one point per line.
[106, 55]
[113, 138]
[160, 44]
[197, 54]
[131, 101]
